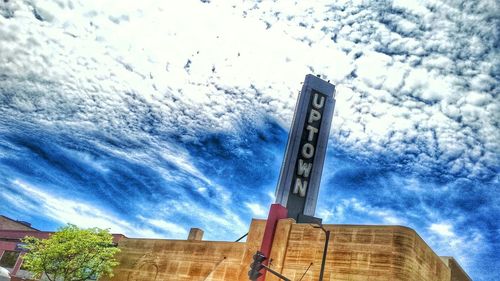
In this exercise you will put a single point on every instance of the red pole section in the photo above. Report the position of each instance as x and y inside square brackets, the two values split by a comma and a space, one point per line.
[276, 212]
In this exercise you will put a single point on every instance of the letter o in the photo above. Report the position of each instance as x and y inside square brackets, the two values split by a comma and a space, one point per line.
[307, 150]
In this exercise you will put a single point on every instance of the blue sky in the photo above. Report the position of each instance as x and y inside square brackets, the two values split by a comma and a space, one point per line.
[151, 117]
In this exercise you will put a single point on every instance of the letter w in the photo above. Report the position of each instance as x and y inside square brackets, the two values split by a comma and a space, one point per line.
[303, 169]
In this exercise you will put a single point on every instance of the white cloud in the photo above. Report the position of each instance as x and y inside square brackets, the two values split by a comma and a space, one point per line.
[211, 221]
[344, 210]
[202, 67]
[82, 214]
[372, 68]
[388, 216]
[443, 229]
[326, 215]
[414, 6]
[172, 228]
[256, 209]
[416, 83]
[446, 241]
[272, 196]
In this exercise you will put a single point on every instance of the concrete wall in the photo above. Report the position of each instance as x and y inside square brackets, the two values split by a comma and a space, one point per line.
[371, 253]
[356, 253]
[457, 273]
[150, 260]
[186, 260]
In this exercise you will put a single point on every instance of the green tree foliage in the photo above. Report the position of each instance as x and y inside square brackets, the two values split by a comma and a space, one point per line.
[71, 254]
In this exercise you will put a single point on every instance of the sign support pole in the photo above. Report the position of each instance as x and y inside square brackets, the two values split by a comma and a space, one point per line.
[276, 212]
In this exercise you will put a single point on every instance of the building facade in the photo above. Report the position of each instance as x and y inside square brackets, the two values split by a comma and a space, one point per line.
[11, 233]
[355, 252]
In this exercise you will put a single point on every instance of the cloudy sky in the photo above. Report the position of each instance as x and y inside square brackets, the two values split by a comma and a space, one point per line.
[151, 117]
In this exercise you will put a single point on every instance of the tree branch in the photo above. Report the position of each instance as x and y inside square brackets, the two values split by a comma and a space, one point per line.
[45, 271]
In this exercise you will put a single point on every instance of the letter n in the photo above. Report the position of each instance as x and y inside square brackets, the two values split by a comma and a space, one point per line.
[300, 187]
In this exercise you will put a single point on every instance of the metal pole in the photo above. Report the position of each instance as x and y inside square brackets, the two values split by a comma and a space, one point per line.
[241, 237]
[276, 273]
[327, 233]
[215, 267]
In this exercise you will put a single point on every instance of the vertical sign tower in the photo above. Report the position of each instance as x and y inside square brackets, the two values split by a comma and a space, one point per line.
[298, 186]
[300, 176]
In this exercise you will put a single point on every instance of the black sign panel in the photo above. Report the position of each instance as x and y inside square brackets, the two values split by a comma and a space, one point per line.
[306, 154]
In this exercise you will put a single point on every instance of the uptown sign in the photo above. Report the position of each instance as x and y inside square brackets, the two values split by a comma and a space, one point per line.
[300, 176]
[308, 144]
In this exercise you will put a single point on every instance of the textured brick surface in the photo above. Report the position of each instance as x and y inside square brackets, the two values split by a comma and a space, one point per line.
[362, 253]
[155, 260]
[457, 272]
[355, 253]
[195, 234]
[149, 260]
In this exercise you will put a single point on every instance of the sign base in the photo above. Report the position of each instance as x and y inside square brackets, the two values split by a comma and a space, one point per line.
[309, 219]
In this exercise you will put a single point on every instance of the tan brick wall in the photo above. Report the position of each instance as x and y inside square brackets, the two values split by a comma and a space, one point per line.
[374, 253]
[184, 260]
[457, 272]
[150, 260]
[364, 253]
